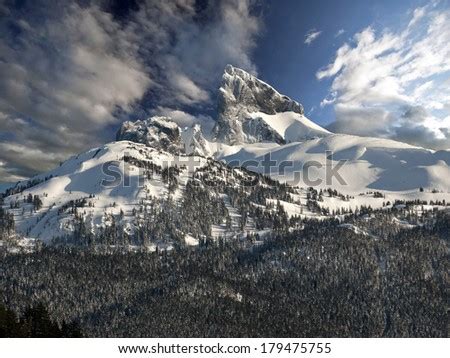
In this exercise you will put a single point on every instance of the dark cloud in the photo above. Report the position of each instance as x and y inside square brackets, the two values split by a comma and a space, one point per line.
[415, 114]
[409, 124]
[69, 72]
[189, 46]
[412, 128]
[363, 121]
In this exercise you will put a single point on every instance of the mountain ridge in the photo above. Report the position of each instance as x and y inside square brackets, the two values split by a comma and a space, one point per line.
[161, 170]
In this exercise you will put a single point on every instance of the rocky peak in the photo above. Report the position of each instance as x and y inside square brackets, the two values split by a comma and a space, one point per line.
[164, 134]
[241, 94]
[240, 89]
[157, 132]
[194, 141]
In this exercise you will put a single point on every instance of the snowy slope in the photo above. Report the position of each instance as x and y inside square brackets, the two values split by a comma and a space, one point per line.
[77, 192]
[292, 126]
[373, 165]
[370, 163]
[81, 177]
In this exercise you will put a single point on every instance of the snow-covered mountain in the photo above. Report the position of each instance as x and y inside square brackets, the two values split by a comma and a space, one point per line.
[149, 197]
[254, 120]
[127, 193]
[250, 110]
[159, 185]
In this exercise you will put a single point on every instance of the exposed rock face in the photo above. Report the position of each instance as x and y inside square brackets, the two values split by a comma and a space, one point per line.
[241, 94]
[164, 134]
[259, 131]
[249, 111]
[157, 132]
[194, 142]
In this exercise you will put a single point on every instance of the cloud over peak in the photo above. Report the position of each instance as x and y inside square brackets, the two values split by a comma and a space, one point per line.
[70, 72]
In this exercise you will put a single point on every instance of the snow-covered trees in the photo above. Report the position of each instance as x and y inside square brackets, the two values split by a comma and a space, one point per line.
[323, 280]
[6, 224]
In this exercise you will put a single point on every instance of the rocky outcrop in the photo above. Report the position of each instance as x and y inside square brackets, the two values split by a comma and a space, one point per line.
[195, 143]
[241, 94]
[164, 134]
[249, 111]
[156, 132]
[256, 130]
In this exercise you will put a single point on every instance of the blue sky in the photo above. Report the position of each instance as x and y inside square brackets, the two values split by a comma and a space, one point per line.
[72, 72]
[290, 65]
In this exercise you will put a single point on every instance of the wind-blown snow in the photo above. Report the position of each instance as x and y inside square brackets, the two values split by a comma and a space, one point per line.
[292, 126]
[370, 163]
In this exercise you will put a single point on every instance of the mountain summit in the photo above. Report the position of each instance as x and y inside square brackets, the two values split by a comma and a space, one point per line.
[173, 186]
[253, 120]
[250, 110]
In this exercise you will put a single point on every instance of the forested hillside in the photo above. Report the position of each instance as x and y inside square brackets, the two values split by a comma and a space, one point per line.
[325, 280]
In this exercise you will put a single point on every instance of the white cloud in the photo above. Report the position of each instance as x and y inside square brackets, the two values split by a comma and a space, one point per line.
[339, 33]
[311, 36]
[378, 78]
[418, 14]
[421, 90]
[328, 100]
[187, 91]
